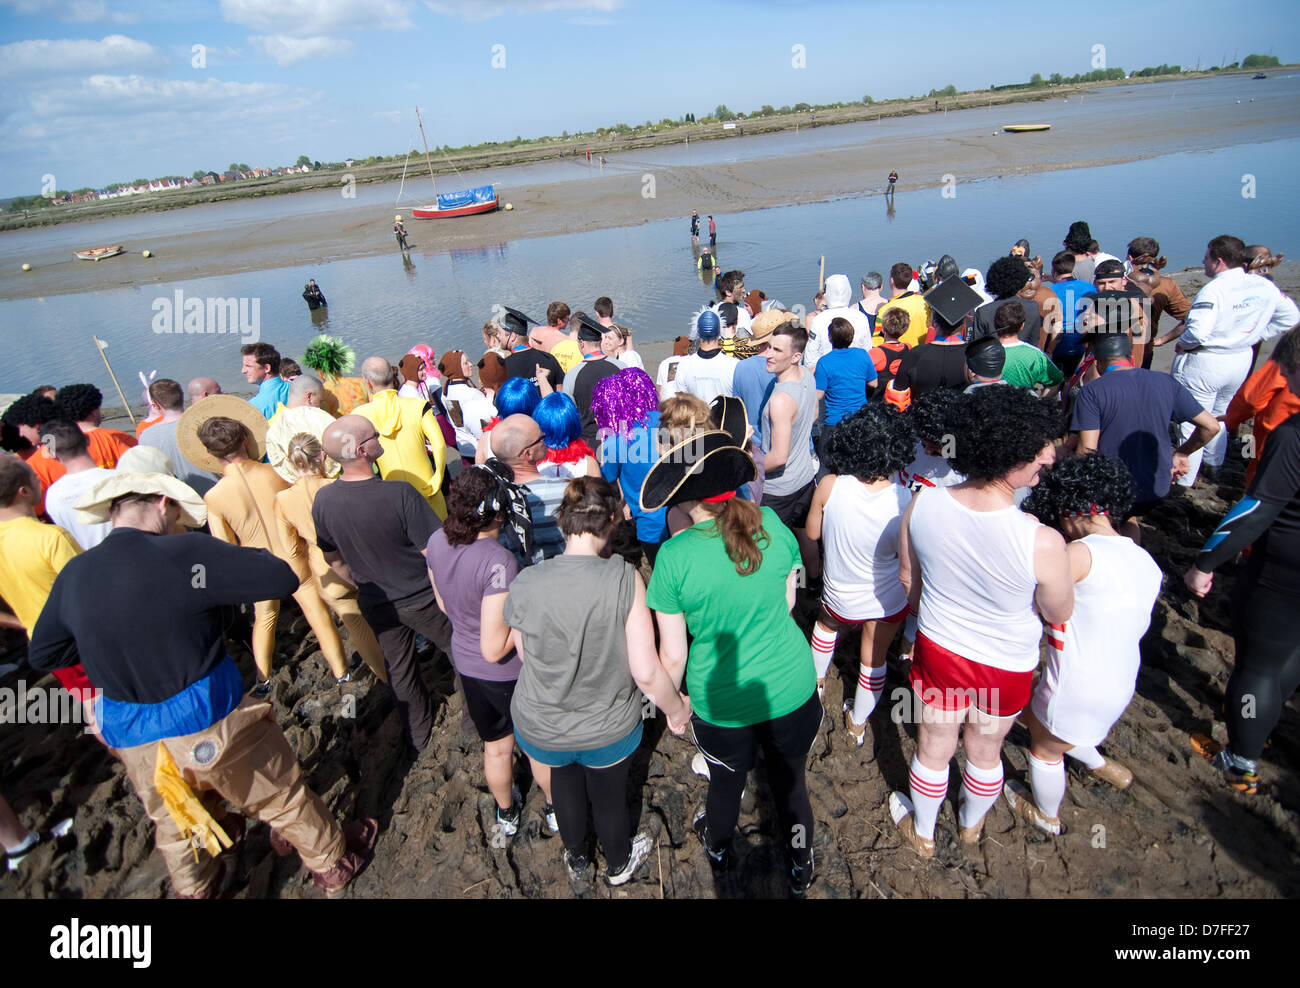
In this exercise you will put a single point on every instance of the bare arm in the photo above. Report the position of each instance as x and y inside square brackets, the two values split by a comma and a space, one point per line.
[1055, 594]
[1088, 439]
[1207, 427]
[781, 409]
[672, 644]
[817, 510]
[494, 635]
[647, 669]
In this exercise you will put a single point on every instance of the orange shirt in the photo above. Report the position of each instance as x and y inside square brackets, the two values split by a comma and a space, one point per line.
[47, 470]
[144, 424]
[1265, 397]
[106, 445]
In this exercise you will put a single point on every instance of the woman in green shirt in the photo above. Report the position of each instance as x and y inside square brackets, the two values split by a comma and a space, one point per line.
[730, 579]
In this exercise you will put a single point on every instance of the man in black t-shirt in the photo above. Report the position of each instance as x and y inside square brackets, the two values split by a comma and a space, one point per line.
[524, 360]
[941, 364]
[595, 367]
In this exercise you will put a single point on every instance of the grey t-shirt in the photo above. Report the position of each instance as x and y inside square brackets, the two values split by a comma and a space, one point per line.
[464, 575]
[163, 436]
[575, 690]
[801, 465]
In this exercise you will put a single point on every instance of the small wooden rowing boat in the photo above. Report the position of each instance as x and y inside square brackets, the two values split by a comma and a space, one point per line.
[1025, 128]
[99, 253]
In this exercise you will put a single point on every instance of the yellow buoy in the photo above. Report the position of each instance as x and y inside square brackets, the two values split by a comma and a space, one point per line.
[146, 253]
[509, 206]
[27, 267]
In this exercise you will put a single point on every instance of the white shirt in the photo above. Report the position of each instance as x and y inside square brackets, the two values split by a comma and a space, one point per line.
[666, 377]
[819, 332]
[67, 491]
[707, 377]
[630, 358]
[744, 321]
[475, 409]
[1237, 310]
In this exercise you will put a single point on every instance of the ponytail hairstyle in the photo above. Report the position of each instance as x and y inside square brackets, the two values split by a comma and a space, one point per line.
[304, 455]
[740, 523]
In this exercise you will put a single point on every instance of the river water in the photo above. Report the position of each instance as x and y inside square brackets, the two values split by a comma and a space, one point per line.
[383, 305]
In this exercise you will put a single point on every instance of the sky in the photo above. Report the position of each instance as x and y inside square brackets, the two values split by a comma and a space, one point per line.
[113, 90]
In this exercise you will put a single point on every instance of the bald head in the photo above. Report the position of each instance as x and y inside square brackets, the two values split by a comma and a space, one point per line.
[378, 373]
[305, 389]
[345, 439]
[202, 387]
[514, 441]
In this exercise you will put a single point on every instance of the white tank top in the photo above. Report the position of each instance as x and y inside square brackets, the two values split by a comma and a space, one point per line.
[860, 531]
[1096, 651]
[978, 583]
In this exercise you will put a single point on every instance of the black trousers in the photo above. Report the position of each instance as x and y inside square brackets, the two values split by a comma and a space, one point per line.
[733, 751]
[575, 788]
[1266, 629]
[396, 626]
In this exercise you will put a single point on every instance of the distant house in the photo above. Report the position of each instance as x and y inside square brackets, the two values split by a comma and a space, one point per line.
[230, 176]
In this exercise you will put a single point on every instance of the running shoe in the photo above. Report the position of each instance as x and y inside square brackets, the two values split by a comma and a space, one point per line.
[1022, 804]
[642, 845]
[858, 732]
[1240, 773]
[700, 765]
[719, 858]
[552, 821]
[262, 689]
[801, 877]
[508, 820]
[13, 859]
[576, 865]
[900, 811]
[353, 671]
[1116, 774]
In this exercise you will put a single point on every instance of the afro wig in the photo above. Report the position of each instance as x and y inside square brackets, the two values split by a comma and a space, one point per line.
[517, 396]
[1007, 275]
[33, 409]
[1083, 485]
[873, 443]
[931, 415]
[996, 429]
[77, 402]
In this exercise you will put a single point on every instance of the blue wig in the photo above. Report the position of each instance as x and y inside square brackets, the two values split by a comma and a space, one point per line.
[517, 396]
[558, 418]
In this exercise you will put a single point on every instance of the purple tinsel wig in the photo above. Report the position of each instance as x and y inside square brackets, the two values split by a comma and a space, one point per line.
[624, 401]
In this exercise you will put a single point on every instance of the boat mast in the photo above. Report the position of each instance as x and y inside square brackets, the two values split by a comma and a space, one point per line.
[426, 151]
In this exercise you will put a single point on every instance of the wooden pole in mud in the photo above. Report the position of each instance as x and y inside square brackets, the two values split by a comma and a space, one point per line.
[821, 275]
[99, 345]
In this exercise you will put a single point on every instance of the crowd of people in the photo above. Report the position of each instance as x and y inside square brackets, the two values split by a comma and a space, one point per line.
[954, 471]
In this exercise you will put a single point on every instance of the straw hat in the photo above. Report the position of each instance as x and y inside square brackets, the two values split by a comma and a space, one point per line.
[146, 459]
[703, 465]
[219, 406]
[93, 508]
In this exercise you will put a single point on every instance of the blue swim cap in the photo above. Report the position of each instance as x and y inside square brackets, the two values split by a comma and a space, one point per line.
[707, 326]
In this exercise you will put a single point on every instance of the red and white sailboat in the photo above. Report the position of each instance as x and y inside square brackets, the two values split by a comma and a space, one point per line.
[467, 202]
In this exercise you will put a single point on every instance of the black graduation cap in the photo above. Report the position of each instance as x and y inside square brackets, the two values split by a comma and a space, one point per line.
[516, 322]
[986, 356]
[952, 300]
[589, 330]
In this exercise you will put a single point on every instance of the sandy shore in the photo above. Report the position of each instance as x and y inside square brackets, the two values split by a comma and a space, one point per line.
[616, 200]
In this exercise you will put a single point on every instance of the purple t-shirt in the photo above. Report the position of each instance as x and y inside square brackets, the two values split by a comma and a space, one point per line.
[1133, 409]
[464, 575]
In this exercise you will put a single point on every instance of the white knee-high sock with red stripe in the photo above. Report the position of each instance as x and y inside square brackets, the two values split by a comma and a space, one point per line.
[823, 648]
[927, 787]
[1089, 755]
[980, 788]
[871, 684]
[1047, 779]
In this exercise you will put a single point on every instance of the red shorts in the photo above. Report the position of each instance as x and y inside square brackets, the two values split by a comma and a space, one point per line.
[892, 619]
[945, 681]
[73, 679]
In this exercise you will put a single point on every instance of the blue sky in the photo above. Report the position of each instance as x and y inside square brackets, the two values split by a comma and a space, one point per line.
[101, 90]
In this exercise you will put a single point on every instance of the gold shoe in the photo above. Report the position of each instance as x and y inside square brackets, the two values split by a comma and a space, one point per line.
[1114, 773]
[1022, 805]
[898, 804]
[857, 732]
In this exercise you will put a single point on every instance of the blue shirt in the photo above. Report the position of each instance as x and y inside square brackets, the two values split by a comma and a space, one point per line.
[844, 375]
[627, 460]
[752, 383]
[1071, 295]
[273, 392]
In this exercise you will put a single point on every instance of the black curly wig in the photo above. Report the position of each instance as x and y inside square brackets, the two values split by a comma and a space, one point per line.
[77, 402]
[873, 443]
[1082, 485]
[1006, 276]
[1001, 427]
[31, 410]
[931, 414]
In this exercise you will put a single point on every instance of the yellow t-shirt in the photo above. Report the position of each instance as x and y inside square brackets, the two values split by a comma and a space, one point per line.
[918, 314]
[31, 555]
[568, 354]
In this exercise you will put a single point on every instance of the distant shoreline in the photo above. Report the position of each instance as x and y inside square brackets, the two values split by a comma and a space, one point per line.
[555, 148]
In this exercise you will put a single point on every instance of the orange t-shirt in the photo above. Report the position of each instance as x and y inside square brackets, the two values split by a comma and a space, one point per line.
[144, 424]
[1265, 397]
[47, 470]
[106, 445]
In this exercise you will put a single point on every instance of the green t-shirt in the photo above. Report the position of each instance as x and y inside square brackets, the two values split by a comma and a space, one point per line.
[1027, 365]
[749, 662]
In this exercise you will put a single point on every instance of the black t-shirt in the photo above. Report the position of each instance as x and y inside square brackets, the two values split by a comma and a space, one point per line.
[1275, 559]
[886, 358]
[524, 363]
[929, 366]
[588, 374]
[985, 314]
[380, 528]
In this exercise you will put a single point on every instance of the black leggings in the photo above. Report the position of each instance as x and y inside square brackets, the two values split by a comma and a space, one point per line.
[574, 789]
[1266, 628]
[732, 752]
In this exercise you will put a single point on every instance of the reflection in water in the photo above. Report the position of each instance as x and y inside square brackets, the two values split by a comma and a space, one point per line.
[320, 318]
[408, 266]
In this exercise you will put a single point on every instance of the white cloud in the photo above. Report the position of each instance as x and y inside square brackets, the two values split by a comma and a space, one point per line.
[73, 11]
[392, 116]
[114, 97]
[289, 51]
[40, 58]
[312, 18]
[482, 10]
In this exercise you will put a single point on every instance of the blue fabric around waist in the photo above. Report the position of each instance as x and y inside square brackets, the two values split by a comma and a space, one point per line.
[610, 754]
[193, 709]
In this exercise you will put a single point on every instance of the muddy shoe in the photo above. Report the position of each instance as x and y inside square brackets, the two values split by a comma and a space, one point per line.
[1022, 804]
[578, 866]
[719, 857]
[1114, 773]
[262, 690]
[900, 811]
[642, 845]
[858, 732]
[801, 877]
[508, 820]
[552, 821]
[1237, 772]
[700, 765]
[360, 837]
